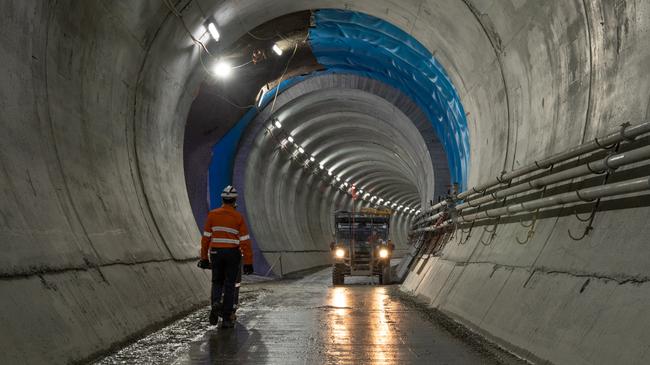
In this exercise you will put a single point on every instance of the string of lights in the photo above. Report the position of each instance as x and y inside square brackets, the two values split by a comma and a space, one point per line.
[287, 143]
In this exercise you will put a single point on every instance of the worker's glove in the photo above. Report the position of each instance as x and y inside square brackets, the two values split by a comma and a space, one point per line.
[204, 264]
[248, 269]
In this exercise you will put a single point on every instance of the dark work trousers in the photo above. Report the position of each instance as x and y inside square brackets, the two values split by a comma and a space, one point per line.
[226, 264]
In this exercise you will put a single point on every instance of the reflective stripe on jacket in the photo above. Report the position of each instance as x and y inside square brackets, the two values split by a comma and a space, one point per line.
[226, 228]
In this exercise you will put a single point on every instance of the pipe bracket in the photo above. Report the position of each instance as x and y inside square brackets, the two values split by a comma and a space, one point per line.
[594, 171]
[624, 126]
[603, 146]
[583, 199]
[542, 167]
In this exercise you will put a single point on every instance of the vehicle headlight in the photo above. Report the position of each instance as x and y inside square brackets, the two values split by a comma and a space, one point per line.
[383, 253]
[340, 253]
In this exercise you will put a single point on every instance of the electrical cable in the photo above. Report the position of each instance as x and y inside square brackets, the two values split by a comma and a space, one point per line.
[277, 88]
[221, 96]
[242, 65]
[187, 29]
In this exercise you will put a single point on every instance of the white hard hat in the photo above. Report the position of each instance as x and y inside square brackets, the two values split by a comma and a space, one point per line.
[229, 192]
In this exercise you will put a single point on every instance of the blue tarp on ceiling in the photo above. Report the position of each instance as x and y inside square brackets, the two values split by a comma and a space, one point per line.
[351, 42]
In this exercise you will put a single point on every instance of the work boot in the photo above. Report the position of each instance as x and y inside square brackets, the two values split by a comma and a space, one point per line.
[228, 321]
[214, 313]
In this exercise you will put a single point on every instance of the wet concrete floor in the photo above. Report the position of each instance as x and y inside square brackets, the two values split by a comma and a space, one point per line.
[307, 321]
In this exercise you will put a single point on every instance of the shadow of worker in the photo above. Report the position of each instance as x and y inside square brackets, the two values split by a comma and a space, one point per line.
[236, 345]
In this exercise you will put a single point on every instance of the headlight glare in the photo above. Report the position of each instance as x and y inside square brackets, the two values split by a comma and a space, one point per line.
[340, 253]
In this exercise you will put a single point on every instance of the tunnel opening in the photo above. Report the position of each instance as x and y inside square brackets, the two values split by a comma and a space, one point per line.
[357, 54]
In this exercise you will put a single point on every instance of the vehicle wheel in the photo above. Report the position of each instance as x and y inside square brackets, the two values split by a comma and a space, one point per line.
[385, 278]
[337, 276]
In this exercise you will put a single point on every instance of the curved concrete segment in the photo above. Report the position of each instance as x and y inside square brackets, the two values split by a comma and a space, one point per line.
[349, 41]
[97, 230]
[355, 128]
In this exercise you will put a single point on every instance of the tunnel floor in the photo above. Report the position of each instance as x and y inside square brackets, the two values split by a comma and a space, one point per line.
[307, 321]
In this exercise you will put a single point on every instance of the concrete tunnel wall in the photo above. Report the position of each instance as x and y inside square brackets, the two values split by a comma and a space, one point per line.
[96, 222]
[351, 124]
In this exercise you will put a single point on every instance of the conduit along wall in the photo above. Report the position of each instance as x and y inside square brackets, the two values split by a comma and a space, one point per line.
[472, 253]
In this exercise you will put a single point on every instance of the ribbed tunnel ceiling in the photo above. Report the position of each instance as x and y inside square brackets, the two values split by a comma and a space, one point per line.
[359, 136]
[363, 139]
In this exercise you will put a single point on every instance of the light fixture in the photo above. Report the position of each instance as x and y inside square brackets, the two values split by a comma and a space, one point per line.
[321, 165]
[222, 69]
[418, 211]
[312, 158]
[302, 150]
[383, 253]
[290, 139]
[278, 124]
[360, 191]
[338, 178]
[204, 34]
[214, 32]
[277, 49]
[340, 253]
[329, 172]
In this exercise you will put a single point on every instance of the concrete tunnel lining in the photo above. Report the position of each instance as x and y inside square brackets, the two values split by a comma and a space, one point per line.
[334, 123]
[114, 231]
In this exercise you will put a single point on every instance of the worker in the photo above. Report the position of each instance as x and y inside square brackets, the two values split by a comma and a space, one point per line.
[225, 241]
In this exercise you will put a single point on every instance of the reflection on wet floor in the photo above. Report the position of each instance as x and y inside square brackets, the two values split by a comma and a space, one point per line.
[357, 341]
[310, 322]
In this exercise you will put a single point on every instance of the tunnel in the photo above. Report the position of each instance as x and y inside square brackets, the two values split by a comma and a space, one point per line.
[509, 139]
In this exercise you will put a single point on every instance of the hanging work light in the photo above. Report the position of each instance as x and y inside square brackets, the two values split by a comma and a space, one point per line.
[277, 49]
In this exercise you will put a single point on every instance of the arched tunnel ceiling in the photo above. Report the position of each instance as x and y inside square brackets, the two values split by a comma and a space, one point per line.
[354, 127]
[354, 133]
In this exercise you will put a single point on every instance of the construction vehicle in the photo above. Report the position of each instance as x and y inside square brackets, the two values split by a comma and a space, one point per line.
[361, 246]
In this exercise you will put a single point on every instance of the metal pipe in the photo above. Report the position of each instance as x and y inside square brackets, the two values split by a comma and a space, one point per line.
[587, 194]
[428, 211]
[610, 163]
[626, 132]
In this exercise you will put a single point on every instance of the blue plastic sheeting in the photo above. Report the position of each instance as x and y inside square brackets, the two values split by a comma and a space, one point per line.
[223, 152]
[223, 158]
[351, 42]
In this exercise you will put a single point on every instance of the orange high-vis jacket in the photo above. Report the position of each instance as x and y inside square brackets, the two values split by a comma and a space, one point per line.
[225, 228]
